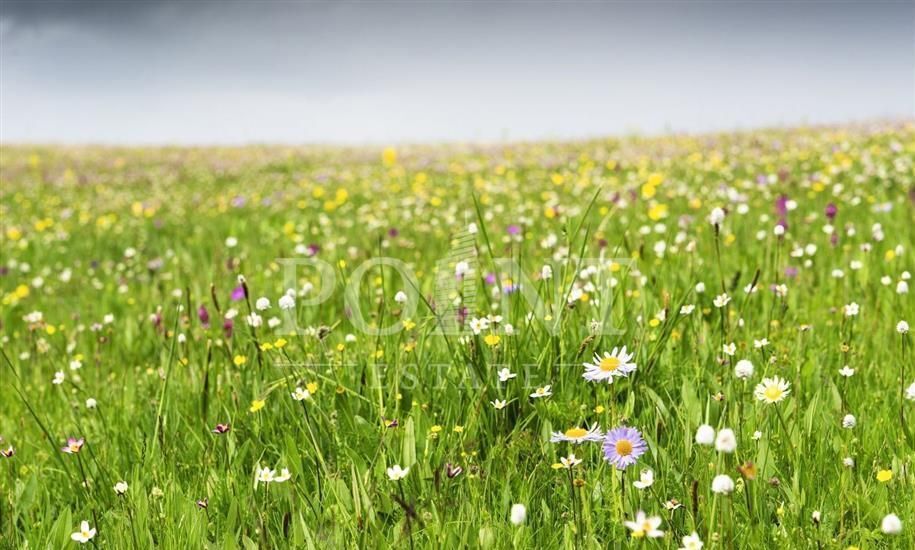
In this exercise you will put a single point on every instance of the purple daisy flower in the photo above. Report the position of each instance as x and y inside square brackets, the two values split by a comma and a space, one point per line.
[623, 446]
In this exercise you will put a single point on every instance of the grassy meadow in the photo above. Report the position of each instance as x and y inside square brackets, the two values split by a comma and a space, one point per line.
[671, 342]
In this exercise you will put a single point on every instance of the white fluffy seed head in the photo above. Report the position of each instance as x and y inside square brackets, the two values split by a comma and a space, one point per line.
[518, 514]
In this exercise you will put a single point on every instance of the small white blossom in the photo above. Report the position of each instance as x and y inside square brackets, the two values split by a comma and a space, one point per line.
[851, 310]
[396, 473]
[518, 514]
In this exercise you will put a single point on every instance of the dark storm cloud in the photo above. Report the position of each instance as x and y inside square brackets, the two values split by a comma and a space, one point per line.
[302, 71]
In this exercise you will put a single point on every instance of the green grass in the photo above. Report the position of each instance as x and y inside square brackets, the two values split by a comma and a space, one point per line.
[140, 234]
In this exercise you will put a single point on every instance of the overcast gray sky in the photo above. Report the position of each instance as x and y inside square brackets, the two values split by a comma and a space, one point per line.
[386, 72]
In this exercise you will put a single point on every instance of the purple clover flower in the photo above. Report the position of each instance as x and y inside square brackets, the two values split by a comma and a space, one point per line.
[204, 316]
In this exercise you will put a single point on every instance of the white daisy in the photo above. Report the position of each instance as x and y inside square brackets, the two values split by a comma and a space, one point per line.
[772, 390]
[614, 364]
[505, 375]
[578, 435]
[544, 391]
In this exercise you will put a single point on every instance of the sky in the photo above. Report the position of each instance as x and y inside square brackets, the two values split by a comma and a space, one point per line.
[382, 72]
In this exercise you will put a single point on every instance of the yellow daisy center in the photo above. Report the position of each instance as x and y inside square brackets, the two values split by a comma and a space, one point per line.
[624, 447]
[576, 432]
[609, 364]
[773, 392]
[646, 526]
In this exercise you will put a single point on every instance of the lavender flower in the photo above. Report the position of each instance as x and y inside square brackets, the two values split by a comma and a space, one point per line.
[238, 293]
[623, 446]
